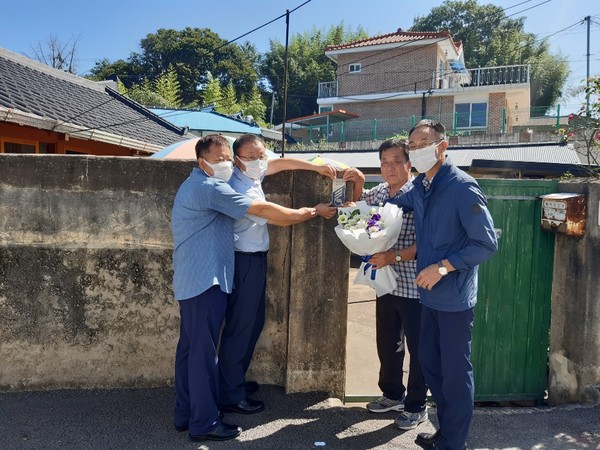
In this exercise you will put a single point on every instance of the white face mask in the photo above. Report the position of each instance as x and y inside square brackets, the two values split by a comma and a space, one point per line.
[424, 158]
[255, 169]
[222, 170]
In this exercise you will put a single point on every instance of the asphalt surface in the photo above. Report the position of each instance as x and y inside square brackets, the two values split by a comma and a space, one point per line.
[142, 419]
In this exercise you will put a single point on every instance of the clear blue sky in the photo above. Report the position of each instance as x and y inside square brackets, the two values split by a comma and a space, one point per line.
[113, 29]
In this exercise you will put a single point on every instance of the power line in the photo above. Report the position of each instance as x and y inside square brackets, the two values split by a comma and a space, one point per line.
[527, 9]
[518, 4]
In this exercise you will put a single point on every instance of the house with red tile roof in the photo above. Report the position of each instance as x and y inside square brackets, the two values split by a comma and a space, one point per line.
[393, 80]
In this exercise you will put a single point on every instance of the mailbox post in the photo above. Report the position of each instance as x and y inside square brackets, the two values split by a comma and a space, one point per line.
[564, 213]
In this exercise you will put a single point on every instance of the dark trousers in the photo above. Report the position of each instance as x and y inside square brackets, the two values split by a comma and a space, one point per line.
[196, 366]
[244, 322]
[397, 317]
[445, 355]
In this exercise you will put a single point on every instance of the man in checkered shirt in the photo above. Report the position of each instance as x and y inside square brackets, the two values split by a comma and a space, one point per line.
[398, 314]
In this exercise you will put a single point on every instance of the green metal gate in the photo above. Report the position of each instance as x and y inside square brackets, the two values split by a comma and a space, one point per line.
[512, 316]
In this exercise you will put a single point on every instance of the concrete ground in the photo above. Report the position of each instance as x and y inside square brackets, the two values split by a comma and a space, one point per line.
[362, 363]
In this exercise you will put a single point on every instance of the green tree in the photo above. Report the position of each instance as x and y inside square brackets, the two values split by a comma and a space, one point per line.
[212, 93]
[229, 103]
[192, 52]
[254, 106]
[307, 66]
[145, 94]
[584, 128]
[490, 38]
[168, 88]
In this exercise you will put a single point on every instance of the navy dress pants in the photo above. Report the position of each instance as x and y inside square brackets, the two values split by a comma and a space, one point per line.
[244, 321]
[445, 356]
[196, 363]
[396, 318]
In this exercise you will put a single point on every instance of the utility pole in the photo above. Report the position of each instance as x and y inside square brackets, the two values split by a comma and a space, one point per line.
[285, 81]
[272, 107]
[587, 75]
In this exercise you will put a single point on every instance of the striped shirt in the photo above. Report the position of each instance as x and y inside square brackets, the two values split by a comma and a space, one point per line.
[406, 270]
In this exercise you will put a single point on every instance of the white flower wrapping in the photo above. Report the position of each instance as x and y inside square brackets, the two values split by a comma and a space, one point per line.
[359, 241]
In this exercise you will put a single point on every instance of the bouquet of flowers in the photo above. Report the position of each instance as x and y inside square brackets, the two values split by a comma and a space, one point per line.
[366, 230]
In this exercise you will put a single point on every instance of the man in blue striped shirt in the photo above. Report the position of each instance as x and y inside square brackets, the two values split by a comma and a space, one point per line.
[203, 214]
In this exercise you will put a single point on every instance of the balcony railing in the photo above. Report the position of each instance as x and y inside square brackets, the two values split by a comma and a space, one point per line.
[448, 79]
[328, 89]
[482, 76]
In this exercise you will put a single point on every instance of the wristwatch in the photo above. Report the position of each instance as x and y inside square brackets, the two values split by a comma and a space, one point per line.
[398, 257]
[441, 269]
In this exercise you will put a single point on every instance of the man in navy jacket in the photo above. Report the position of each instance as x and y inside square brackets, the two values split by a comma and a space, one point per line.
[454, 233]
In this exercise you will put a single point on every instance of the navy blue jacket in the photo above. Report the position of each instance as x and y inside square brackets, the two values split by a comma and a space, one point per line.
[452, 222]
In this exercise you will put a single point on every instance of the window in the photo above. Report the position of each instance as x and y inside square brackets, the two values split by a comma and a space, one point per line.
[15, 145]
[323, 109]
[471, 115]
[354, 68]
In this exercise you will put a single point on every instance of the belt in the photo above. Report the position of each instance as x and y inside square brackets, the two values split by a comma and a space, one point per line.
[252, 253]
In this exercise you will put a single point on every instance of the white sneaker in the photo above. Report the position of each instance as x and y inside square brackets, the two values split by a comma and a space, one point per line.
[384, 404]
[409, 421]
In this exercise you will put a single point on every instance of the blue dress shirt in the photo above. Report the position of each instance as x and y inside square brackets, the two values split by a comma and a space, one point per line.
[202, 226]
[251, 233]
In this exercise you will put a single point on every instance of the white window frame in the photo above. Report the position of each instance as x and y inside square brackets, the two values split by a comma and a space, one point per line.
[354, 68]
[471, 103]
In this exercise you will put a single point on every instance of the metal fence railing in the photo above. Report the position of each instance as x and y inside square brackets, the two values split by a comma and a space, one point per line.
[456, 124]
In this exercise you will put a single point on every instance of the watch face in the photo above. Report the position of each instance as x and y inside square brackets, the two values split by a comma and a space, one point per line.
[442, 271]
[398, 258]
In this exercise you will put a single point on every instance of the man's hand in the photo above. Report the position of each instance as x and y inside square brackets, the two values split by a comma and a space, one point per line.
[382, 259]
[327, 171]
[353, 174]
[428, 277]
[358, 178]
[326, 210]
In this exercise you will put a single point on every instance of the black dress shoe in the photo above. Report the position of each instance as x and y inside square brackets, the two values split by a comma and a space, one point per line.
[181, 427]
[222, 432]
[246, 406]
[251, 387]
[428, 440]
[186, 427]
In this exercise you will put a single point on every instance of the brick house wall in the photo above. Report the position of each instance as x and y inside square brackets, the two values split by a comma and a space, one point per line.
[394, 70]
[496, 102]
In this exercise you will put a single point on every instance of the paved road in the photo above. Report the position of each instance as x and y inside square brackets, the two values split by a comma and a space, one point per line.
[141, 419]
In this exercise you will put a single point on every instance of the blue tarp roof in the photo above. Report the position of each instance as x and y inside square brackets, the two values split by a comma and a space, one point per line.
[204, 120]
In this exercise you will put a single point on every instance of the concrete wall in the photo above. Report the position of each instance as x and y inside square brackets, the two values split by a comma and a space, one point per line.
[85, 278]
[575, 325]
